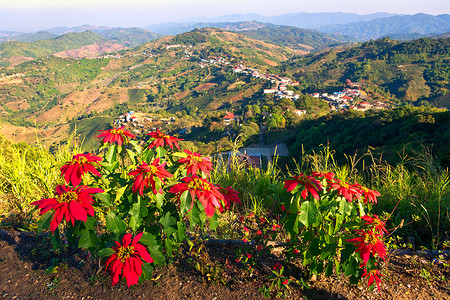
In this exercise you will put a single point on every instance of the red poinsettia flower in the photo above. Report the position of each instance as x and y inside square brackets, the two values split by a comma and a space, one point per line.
[204, 191]
[277, 266]
[195, 162]
[128, 260]
[369, 195]
[328, 175]
[374, 276]
[119, 136]
[344, 189]
[375, 223]
[229, 196]
[70, 204]
[80, 164]
[368, 243]
[309, 182]
[162, 139]
[146, 174]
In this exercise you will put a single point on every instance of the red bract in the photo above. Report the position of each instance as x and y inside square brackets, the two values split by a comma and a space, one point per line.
[309, 182]
[195, 161]
[368, 243]
[376, 223]
[162, 139]
[328, 175]
[119, 136]
[80, 164]
[206, 193]
[145, 174]
[128, 260]
[229, 196]
[369, 195]
[373, 275]
[277, 266]
[70, 204]
[344, 189]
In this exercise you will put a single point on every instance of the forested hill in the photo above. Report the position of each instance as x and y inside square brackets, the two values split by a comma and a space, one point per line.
[414, 72]
[387, 133]
[420, 24]
[297, 38]
[64, 42]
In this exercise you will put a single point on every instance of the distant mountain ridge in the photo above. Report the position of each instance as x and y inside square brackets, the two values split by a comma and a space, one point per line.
[418, 25]
[129, 37]
[299, 19]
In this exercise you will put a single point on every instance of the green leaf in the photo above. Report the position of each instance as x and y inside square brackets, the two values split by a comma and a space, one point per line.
[136, 146]
[104, 198]
[329, 269]
[131, 155]
[55, 238]
[292, 224]
[159, 200]
[194, 216]
[328, 251]
[339, 220]
[44, 221]
[154, 248]
[351, 266]
[348, 250]
[147, 271]
[168, 221]
[314, 249]
[90, 223]
[169, 248]
[112, 166]
[160, 151]
[361, 209]
[181, 231]
[309, 214]
[114, 223]
[106, 252]
[111, 155]
[120, 192]
[88, 239]
[185, 202]
[345, 207]
[213, 222]
[137, 212]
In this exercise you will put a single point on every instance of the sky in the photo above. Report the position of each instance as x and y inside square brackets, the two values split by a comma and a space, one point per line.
[33, 15]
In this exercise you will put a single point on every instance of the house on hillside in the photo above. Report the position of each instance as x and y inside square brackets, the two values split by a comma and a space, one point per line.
[228, 118]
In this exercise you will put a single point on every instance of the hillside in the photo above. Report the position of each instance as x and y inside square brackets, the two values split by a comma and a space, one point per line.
[188, 75]
[419, 25]
[296, 38]
[397, 72]
[27, 37]
[129, 37]
[39, 48]
[186, 83]
[385, 133]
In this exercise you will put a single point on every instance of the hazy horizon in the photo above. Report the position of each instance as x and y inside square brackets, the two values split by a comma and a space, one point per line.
[30, 15]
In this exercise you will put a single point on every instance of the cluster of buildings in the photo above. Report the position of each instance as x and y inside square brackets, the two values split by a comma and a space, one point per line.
[345, 100]
[280, 90]
[141, 121]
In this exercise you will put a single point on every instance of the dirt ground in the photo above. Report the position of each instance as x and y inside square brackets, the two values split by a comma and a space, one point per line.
[29, 269]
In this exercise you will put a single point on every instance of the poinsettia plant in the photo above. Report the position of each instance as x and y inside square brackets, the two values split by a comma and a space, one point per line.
[322, 219]
[132, 203]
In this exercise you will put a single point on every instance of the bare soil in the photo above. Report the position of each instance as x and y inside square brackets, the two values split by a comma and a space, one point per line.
[29, 269]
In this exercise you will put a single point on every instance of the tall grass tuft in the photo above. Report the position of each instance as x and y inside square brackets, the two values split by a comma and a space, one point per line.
[260, 190]
[29, 173]
[416, 191]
